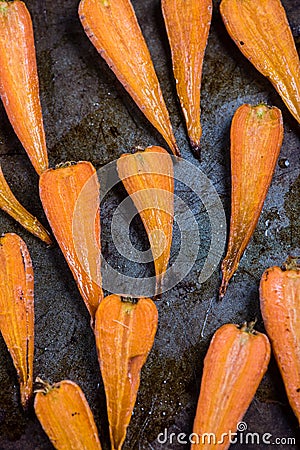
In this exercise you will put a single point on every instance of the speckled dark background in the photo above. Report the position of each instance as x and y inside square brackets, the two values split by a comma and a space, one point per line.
[88, 115]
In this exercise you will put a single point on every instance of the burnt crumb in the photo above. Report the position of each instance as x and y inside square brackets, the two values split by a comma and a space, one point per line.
[114, 131]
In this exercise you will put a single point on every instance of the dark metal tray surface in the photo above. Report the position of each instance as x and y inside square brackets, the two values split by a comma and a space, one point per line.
[89, 116]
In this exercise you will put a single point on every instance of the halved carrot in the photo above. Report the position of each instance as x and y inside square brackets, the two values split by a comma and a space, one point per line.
[112, 27]
[70, 197]
[65, 416]
[234, 365]
[124, 332]
[261, 31]
[149, 179]
[280, 308]
[17, 309]
[11, 206]
[256, 137]
[187, 23]
[19, 85]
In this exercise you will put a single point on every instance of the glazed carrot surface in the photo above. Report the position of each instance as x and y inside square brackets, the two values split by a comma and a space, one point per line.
[280, 308]
[17, 309]
[234, 365]
[65, 416]
[261, 31]
[124, 333]
[149, 179]
[187, 23]
[112, 27]
[256, 136]
[19, 85]
[11, 206]
[71, 200]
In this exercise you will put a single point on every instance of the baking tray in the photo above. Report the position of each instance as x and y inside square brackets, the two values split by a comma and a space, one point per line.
[89, 116]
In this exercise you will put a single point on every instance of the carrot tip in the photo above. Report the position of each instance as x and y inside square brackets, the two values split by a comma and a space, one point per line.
[176, 150]
[47, 239]
[223, 289]
[196, 150]
[25, 401]
[158, 287]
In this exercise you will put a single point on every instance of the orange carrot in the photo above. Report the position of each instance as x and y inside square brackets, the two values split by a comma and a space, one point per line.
[280, 308]
[124, 332]
[234, 365]
[11, 206]
[70, 197]
[65, 416]
[19, 85]
[17, 308]
[113, 29]
[149, 179]
[261, 31]
[187, 23]
[256, 137]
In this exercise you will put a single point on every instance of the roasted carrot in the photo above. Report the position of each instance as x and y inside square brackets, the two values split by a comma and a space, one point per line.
[10, 204]
[234, 365]
[65, 416]
[70, 197]
[187, 23]
[149, 179]
[124, 332]
[17, 309]
[261, 31]
[280, 308]
[19, 85]
[113, 29]
[256, 137]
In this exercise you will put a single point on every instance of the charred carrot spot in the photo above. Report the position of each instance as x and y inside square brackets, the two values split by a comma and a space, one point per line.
[17, 309]
[65, 416]
[19, 81]
[256, 137]
[114, 30]
[11, 206]
[187, 23]
[70, 197]
[234, 365]
[124, 334]
[149, 179]
[279, 301]
[261, 30]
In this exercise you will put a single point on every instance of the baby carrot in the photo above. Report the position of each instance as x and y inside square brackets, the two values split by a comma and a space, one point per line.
[65, 416]
[17, 309]
[149, 179]
[11, 206]
[113, 29]
[280, 308]
[70, 197]
[234, 365]
[187, 23]
[124, 332]
[261, 31]
[19, 85]
[256, 137]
